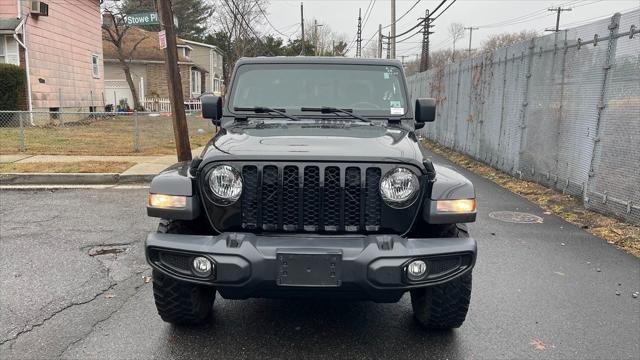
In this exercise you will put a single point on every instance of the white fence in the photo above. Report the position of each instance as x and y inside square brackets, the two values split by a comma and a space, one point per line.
[164, 105]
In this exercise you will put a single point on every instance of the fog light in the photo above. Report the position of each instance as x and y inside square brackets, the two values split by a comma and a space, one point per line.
[202, 266]
[416, 270]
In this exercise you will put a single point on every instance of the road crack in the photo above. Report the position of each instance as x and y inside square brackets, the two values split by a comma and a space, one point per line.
[135, 291]
[31, 327]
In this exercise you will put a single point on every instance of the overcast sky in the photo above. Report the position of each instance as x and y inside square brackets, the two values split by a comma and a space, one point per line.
[498, 16]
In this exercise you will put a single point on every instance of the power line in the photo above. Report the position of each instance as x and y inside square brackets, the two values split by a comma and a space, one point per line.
[269, 22]
[443, 11]
[248, 26]
[421, 22]
[534, 15]
[403, 15]
[369, 8]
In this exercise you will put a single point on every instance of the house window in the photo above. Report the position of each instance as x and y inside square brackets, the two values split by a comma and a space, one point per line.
[196, 82]
[3, 50]
[9, 50]
[95, 66]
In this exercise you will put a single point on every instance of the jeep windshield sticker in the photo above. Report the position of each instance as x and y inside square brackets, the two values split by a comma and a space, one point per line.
[386, 76]
[395, 104]
[397, 111]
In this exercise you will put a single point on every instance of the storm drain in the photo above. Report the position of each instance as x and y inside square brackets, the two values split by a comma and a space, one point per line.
[516, 217]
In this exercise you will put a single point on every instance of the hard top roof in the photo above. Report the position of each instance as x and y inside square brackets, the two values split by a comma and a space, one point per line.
[317, 60]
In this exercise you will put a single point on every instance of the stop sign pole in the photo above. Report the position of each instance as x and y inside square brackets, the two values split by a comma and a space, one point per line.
[180, 129]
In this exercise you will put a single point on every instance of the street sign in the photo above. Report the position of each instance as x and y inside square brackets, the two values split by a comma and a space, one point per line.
[162, 37]
[143, 18]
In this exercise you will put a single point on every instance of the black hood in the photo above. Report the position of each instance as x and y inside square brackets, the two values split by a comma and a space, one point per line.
[314, 140]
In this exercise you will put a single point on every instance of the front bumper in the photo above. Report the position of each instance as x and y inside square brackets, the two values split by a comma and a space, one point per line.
[370, 267]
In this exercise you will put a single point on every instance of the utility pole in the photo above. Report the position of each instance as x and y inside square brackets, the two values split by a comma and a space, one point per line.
[315, 37]
[392, 36]
[180, 129]
[302, 27]
[470, 28]
[426, 26]
[333, 48]
[359, 35]
[389, 46]
[402, 57]
[380, 41]
[558, 10]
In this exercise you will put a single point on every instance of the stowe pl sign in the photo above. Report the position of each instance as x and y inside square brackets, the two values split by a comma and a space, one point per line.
[143, 18]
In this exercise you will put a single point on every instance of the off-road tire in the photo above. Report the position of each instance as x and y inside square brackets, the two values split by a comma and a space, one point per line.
[442, 306]
[178, 302]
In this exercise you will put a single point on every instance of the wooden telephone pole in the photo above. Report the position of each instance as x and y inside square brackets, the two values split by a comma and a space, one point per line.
[558, 11]
[180, 129]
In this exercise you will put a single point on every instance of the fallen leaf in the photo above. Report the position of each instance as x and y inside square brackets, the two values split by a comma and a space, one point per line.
[547, 212]
[109, 296]
[146, 279]
[538, 344]
[617, 232]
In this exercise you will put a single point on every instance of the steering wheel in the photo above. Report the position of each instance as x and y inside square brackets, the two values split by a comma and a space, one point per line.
[367, 105]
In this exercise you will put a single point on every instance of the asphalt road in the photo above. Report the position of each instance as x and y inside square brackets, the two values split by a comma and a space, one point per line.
[540, 291]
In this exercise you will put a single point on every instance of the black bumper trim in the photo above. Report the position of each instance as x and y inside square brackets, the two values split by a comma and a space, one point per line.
[247, 266]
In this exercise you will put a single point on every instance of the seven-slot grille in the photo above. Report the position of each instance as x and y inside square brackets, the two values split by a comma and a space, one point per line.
[311, 198]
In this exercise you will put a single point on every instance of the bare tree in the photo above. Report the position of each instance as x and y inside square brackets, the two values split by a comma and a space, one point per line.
[456, 32]
[114, 31]
[496, 41]
[324, 38]
[238, 20]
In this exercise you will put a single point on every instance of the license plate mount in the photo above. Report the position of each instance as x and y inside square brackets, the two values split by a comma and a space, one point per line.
[309, 268]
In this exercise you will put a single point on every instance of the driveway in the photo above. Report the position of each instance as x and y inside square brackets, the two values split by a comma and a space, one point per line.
[73, 286]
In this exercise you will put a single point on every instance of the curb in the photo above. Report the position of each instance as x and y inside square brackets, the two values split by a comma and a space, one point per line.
[72, 179]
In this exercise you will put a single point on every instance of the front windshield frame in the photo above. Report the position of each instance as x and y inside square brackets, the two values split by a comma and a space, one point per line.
[373, 114]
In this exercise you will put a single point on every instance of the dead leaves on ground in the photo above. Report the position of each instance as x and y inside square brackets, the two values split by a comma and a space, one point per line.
[616, 232]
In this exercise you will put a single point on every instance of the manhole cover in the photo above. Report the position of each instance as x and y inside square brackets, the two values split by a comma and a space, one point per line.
[516, 217]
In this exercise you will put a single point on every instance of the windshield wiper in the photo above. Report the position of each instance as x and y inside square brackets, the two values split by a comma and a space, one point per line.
[266, 110]
[333, 110]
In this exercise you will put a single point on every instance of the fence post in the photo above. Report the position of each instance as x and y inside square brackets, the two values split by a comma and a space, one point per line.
[23, 146]
[136, 132]
[611, 49]
[61, 99]
[525, 103]
[455, 116]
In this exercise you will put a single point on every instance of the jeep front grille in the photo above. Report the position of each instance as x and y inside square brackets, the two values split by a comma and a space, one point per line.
[311, 198]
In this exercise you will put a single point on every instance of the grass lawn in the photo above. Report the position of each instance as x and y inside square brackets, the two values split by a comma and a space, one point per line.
[107, 136]
[67, 167]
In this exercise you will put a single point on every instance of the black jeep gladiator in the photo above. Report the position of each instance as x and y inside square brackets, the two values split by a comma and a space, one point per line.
[315, 186]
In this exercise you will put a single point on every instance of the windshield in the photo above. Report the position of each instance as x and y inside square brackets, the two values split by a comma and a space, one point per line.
[374, 90]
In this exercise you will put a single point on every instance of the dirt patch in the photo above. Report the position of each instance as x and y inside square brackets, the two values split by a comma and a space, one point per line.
[67, 167]
[569, 208]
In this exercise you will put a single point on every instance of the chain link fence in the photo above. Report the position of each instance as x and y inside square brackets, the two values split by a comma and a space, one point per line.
[562, 110]
[96, 133]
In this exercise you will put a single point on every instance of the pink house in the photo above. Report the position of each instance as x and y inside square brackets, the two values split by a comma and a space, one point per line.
[59, 43]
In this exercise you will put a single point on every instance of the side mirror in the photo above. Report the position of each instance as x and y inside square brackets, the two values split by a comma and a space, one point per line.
[425, 111]
[212, 108]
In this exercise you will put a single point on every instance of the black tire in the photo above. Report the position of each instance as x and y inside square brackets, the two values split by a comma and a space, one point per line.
[194, 227]
[178, 302]
[442, 306]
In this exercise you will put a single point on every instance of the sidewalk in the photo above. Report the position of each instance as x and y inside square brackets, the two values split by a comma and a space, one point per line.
[145, 168]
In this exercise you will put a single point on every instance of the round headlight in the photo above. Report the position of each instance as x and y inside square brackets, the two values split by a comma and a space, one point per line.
[226, 184]
[399, 187]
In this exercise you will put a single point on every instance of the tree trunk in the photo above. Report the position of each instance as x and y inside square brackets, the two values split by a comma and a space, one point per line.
[132, 86]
